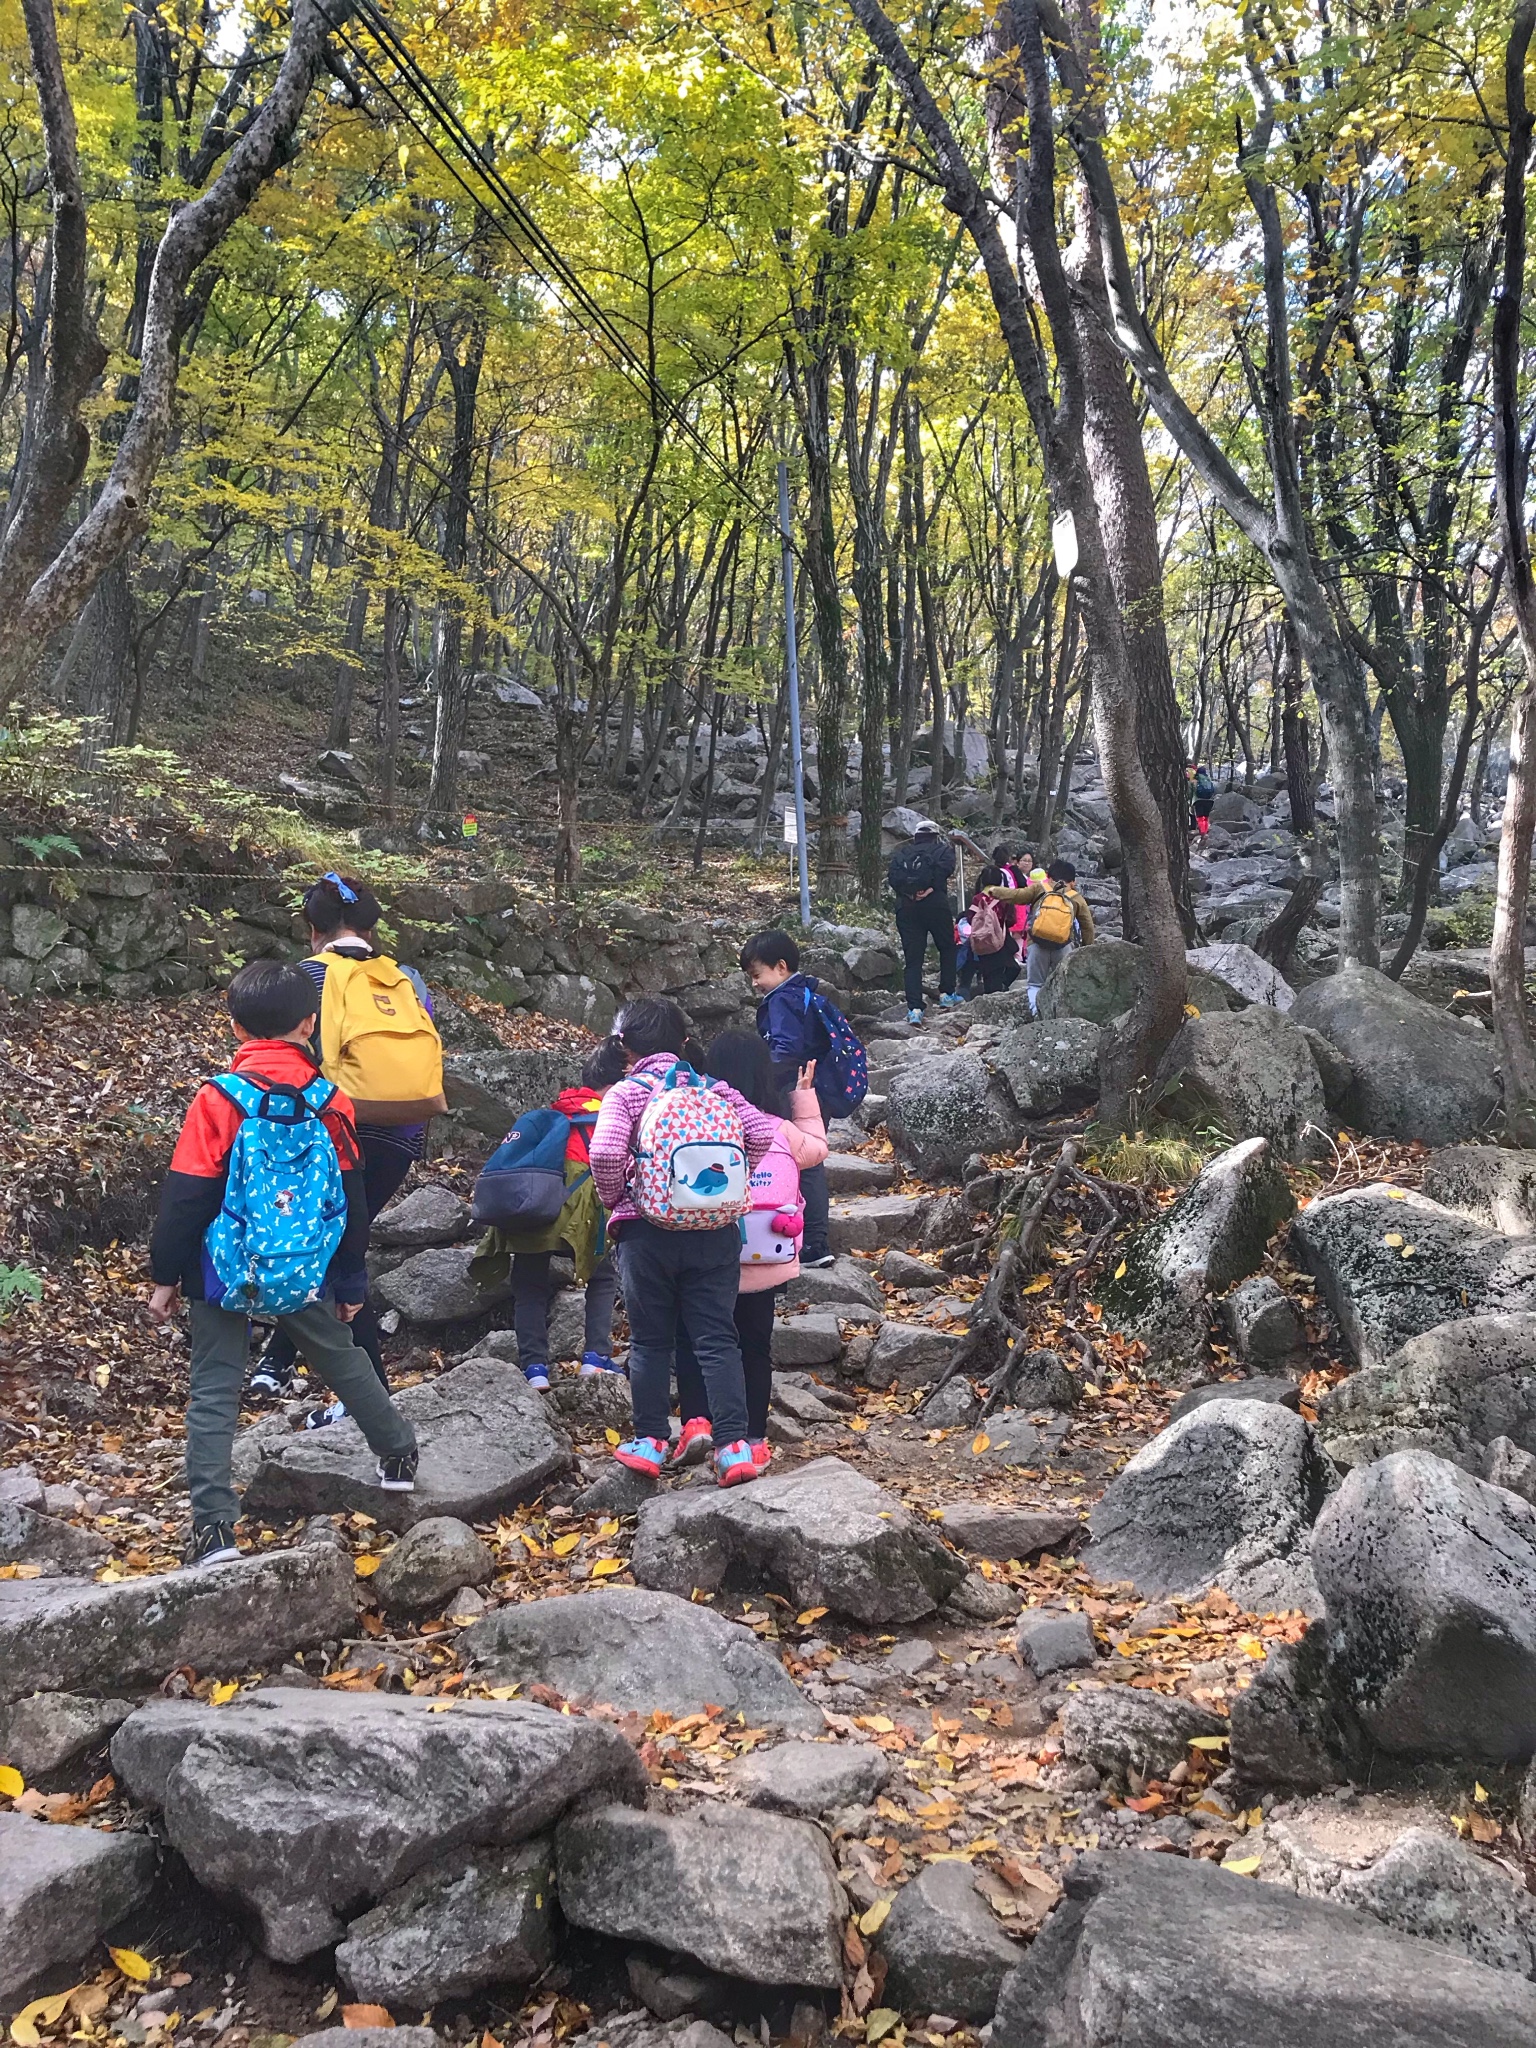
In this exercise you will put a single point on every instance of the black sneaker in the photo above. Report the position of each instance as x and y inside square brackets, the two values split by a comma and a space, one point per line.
[212, 1543]
[398, 1474]
[266, 1383]
[819, 1259]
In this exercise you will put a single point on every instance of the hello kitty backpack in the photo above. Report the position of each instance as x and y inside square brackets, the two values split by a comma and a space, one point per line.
[772, 1228]
[690, 1154]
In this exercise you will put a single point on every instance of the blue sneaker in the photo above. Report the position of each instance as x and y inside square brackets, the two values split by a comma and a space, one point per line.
[951, 1002]
[914, 1016]
[735, 1464]
[537, 1377]
[647, 1454]
[595, 1362]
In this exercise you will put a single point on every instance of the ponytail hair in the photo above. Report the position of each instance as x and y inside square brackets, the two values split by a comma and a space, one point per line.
[605, 1064]
[341, 902]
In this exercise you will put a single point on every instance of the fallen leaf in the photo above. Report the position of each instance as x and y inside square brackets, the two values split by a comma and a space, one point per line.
[90, 2001]
[980, 1442]
[1120, 1270]
[49, 2010]
[811, 1614]
[1393, 1239]
[223, 1694]
[607, 1566]
[132, 1964]
[12, 1783]
[880, 2023]
[1409, 1250]
[366, 2016]
[1207, 1741]
[327, 2004]
[366, 1565]
[1479, 1792]
[1039, 1285]
[613, 1436]
[564, 1545]
[608, 1528]
[1243, 1866]
[872, 1921]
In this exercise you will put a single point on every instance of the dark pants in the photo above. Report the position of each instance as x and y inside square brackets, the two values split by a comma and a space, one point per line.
[687, 1277]
[220, 1340]
[818, 1203]
[1000, 970]
[530, 1307]
[931, 917]
[754, 1328]
[384, 1170]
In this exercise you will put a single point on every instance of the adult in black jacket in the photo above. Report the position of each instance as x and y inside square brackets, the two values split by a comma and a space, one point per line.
[919, 878]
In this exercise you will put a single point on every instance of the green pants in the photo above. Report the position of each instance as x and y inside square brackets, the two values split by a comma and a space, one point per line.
[220, 1343]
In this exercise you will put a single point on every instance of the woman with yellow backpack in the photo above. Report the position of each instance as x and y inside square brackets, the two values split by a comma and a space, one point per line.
[378, 1043]
[1059, 919]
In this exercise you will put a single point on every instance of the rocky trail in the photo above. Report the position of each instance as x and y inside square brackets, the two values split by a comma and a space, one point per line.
[1142, 1595]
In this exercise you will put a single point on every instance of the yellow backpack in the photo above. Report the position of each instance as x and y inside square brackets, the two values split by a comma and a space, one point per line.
[1051, 922]
[377, 1042]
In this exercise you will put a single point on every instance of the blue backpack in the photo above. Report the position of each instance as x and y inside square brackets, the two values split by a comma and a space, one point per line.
[842, 1072]
[285, 1209]
[522, 1185]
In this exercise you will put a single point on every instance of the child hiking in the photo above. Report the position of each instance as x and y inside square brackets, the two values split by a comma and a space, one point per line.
[770, 1239]
[801, 1027]
[375, 1038]
[530, 1222]
[264, 1210]
[671, 1155]
[1060, 919]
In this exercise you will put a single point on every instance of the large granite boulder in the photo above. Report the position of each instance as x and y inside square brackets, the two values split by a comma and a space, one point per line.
[1048, 1065]
[1118, 1731]
[1391, 1265]
[426, 1216]
[305, 1807]
[54, 1546]
[1213, 1236]
[824, 1534]
[76, 1635]
[1417, 1074]
[943, 1946]
[49, 1728]
[752, 1894]
[1453, 1391]
[941, 1110]
[640, 1650]
[61, 1888]
[1168, 1952]
[1490, 1184]
[1249, 1073]
[487, 1443]
[1429, 1579]
[1099, 982]
[478, 1917]
[436, 1286]
[488, 1091]
[1226, 1496]
[1248, 974]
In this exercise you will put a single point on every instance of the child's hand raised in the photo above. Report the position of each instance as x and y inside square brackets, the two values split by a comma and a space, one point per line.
[806, 1078]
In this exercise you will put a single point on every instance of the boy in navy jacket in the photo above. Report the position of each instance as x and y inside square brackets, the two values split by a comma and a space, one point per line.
[794, 1035]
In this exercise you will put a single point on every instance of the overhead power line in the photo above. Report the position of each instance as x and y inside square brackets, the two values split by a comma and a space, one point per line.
[511, 218]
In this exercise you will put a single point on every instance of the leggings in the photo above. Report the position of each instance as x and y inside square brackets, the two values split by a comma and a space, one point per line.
[754, 1326]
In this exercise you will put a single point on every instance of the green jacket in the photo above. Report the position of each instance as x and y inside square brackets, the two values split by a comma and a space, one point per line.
[581, 1227]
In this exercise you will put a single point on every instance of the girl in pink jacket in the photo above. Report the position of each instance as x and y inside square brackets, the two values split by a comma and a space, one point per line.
[771, 1234]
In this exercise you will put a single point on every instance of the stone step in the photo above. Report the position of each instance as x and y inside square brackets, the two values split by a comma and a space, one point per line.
[850, 1174]
[877, 1220]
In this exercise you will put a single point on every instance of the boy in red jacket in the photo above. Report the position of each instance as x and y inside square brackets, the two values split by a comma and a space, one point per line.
[273, 1011]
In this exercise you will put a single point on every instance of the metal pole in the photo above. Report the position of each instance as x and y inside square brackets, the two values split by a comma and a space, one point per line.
[792, 650]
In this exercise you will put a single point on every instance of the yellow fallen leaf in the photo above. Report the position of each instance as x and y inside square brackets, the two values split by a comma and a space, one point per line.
[858, 1422]
[880, 2023]
[607, 1566]
[1393, 1238]
[223, 1694]
[981, 1442]
[47, 2010]
[1190, 1010]
[872, 1921]
[1243, 1866]
[878, 1724]
[132, 1964]
[531, 1544]
[1409, 1250]
[1037, 1286]
[12, 1783]
[366, 1565]
[1120, 1270]
[564, 1545]
[811, 1614]
[608, 1528]
[327, 2004]
[1393, 1194]
[1255, 1816]
[505, 1692]
[613, 1436]
[1207, 1741]
[1479, 1792]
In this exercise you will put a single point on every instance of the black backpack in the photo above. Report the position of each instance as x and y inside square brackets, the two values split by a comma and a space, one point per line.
[917, 865]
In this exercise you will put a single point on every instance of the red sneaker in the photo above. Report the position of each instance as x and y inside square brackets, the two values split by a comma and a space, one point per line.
[735, 1465]
[695, 1443]
[762, 1452]
[645, 1454]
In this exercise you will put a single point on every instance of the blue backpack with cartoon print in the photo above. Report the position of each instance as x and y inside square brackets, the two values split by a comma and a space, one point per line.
[842, 1072]
[285, 1208]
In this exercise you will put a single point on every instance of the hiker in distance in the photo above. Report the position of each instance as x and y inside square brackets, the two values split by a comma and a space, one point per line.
[376, 1040]
[264, 1211]
[918, 876]
[1059, 920]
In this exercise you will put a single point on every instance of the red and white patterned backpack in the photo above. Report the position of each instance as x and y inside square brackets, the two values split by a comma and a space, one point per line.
[690, 1153]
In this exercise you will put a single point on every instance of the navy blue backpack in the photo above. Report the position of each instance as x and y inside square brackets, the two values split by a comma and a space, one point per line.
[522, 1185]
[842, 1072]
